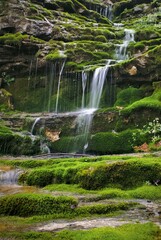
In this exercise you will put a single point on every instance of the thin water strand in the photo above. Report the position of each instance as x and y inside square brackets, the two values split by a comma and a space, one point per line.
[84, 83]
[51, 80]
[34, 124]
[58, 89]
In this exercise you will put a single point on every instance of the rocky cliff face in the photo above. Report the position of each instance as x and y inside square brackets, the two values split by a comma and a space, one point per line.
[50, 42]
[35, 34]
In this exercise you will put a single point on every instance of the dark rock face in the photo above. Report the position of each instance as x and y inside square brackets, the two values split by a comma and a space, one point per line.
[47, 42]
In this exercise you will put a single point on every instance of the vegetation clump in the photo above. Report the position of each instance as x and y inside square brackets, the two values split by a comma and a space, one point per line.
[13, 39]
[122, 174]
[25, 205]
[113, 142]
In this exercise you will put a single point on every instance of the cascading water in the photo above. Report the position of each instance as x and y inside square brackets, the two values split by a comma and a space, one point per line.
[97, 85]
[58, 89]
[84, 83]
[121, 50]
[85, 117]
[51, 81]
[9, 177]
[34, 124]
[43, 146]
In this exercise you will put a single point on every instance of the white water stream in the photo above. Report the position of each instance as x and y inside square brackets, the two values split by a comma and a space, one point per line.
[84, 83]
[9, 177]
[58, 89]
[84, 119]
[34, 124]
[121, 49]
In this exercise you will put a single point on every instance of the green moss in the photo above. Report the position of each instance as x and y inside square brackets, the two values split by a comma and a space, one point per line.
[4, 130]
[110, 143]
[15, 144]
[152, 102]
[120, 174]
[147, 34]
[101, 38]
[100, 209]
[55, 56]
[13, 39]
[39, 178]
[128, 96]
[146, 231]
[25, 205]
[68, 144]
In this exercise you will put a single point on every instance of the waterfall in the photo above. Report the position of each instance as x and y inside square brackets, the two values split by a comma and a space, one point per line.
[44, 148]
[51, 81]
[9, 177]
[34, 124]
[105, 11]
[110, 15]
[30, 70]
[121, 50]
[36, 67]
[58, 89]
[85, 117]
[84, 82]
[97, 85]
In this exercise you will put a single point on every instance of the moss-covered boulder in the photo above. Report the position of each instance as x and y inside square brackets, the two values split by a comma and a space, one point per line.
[16, 144]
[25, 205]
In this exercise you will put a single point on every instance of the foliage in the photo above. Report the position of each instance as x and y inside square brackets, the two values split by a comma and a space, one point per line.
[153, 129]
[7, 79]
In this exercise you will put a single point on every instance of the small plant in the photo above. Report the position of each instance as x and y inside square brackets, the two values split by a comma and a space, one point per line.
[7, 78]
[153, 129]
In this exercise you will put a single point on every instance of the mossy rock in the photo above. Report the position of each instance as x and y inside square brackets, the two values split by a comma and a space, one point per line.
[68, 144]
[111, 142]
[129, 95]
[152, 102]
[121, 174]
[56, 55]
[15, 144]
[13, 39]
[25, 205]
[39, 178]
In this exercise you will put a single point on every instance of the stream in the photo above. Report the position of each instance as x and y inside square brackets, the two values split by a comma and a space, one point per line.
[146, 211]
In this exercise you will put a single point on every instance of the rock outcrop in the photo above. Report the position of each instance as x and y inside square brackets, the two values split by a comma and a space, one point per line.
[48, 48]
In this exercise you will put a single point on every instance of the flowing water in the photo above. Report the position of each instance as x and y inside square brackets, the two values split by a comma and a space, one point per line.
[84, 83]
[58, 89]
[121, 50]
[9, 177]
[34, 124]
[84, 119]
